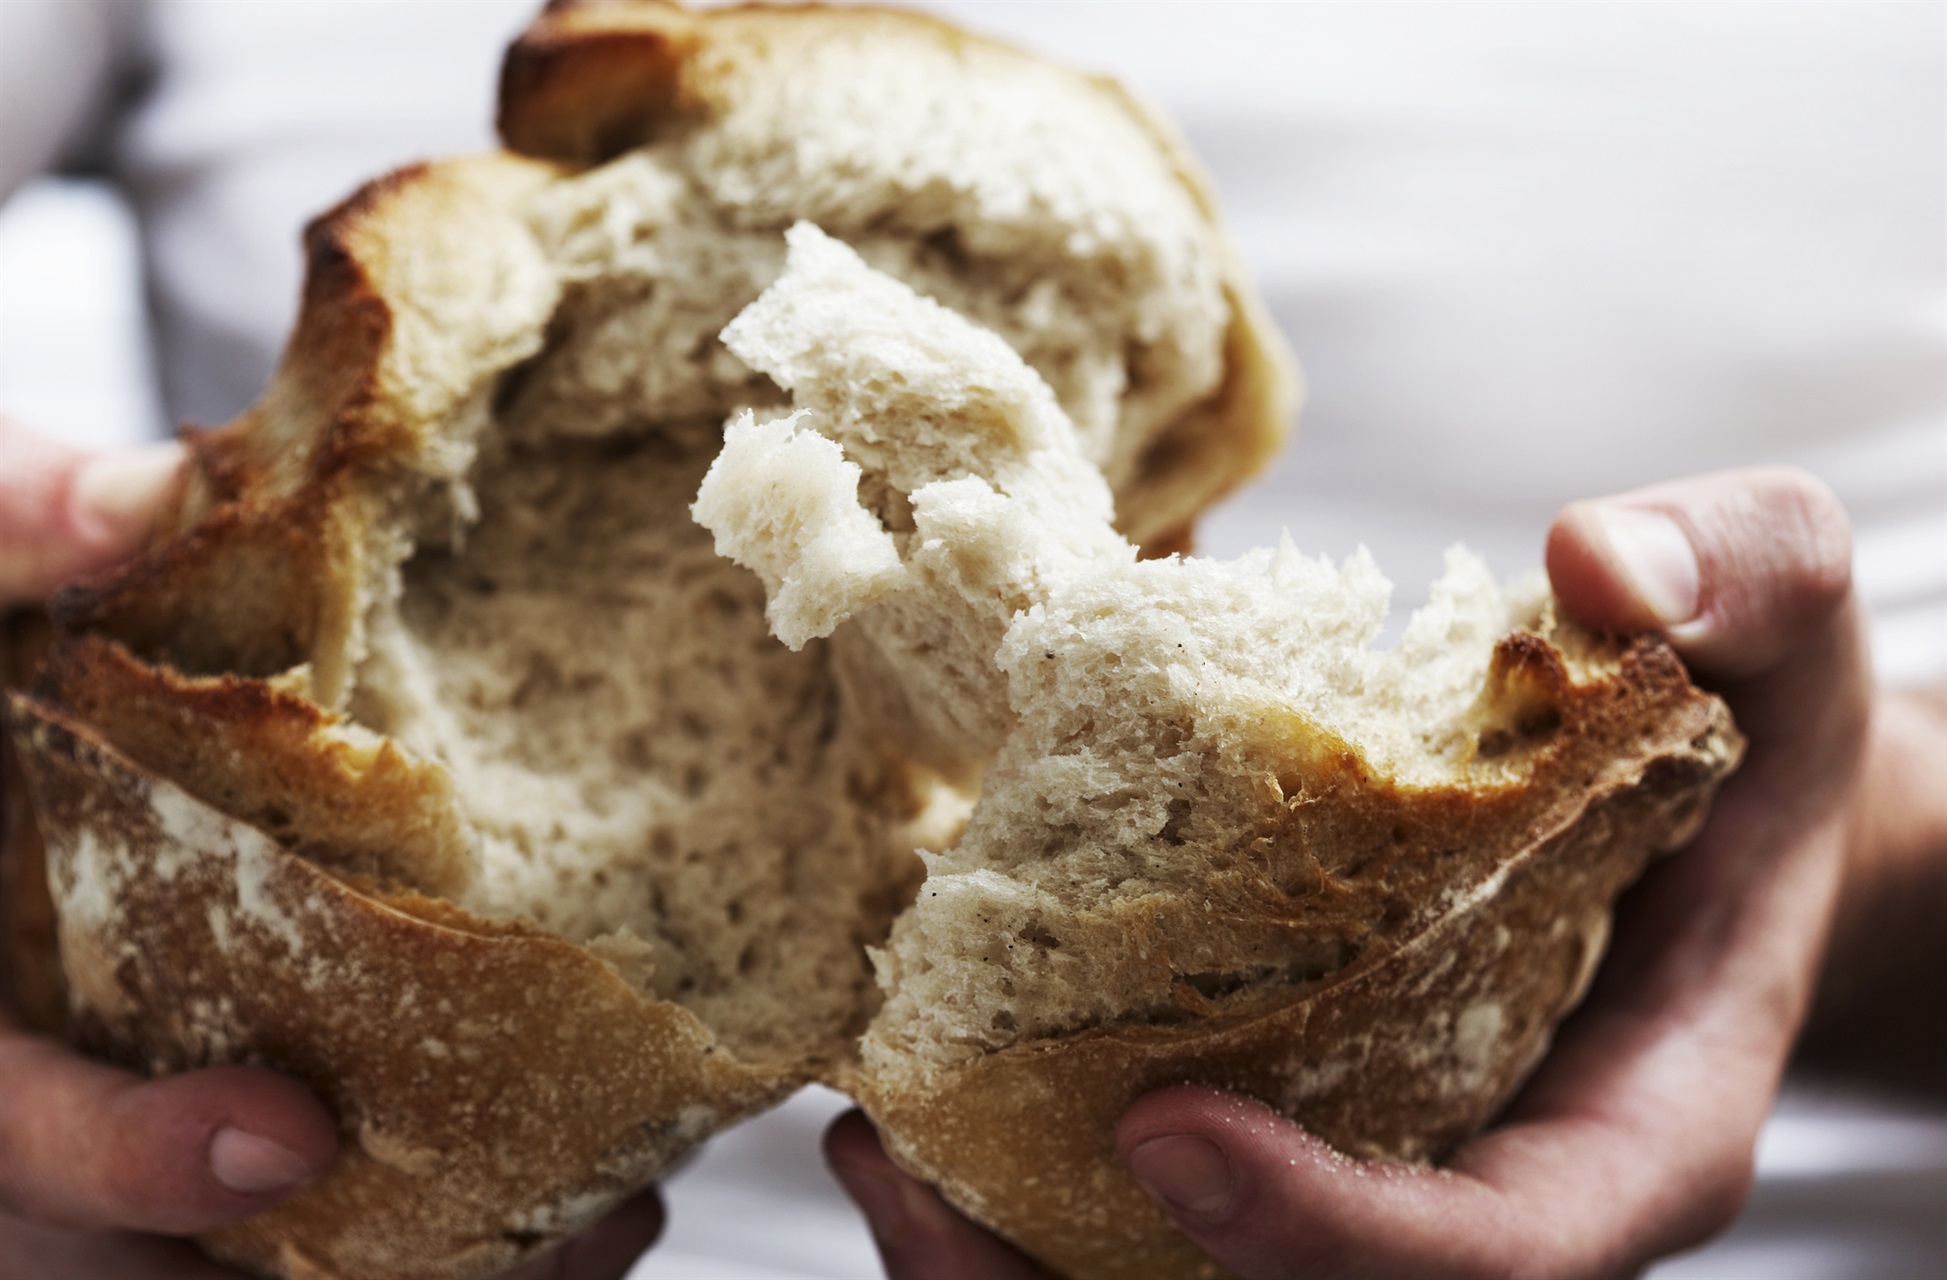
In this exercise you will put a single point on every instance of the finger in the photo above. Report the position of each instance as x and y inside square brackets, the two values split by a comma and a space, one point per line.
[65, 512]
[1267, 1199]
[920, 1236]
[84, 1145]
[59, 1253]
[1773, 616]
[1661, 1082]
[1734, 567]
[607, 1250]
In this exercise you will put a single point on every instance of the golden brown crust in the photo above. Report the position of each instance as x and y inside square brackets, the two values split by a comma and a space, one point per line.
[351, 803]
[497, 1086]
[585, 83]
[420, 289]
[1481, 924]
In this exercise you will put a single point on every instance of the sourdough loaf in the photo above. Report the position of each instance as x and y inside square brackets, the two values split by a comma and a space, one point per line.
[1217, 837]
[433, 754]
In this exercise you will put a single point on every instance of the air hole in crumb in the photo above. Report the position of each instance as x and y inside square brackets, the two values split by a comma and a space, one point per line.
[635, 750]
[525, 1240]
[1539, 722]
[1493, 743]
[946, 247]
[516, 378]
[1215, 986]
[1004, 1021]
[1531, 727]
[1040, 937]
[1179, 817]
[1136, 367]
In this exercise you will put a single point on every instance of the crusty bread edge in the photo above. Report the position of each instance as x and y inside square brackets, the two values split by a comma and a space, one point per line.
[498, 1087]
[1394, 1058]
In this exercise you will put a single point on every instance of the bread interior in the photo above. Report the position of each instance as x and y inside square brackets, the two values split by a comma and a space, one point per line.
[1143, 847]
[643, 768]
[634, 762]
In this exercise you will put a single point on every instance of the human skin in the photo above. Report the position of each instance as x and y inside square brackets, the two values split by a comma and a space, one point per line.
[1635, 1137]
[98, 1167]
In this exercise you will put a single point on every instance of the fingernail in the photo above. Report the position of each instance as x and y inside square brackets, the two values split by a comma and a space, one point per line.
[119, 494]
[1188, 1173]
[255, 1166]
[880, 1199]
[1655, 554]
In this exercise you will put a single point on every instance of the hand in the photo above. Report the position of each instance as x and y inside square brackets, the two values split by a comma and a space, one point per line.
[1635, 1137]
[96, 1165]
[65, 512]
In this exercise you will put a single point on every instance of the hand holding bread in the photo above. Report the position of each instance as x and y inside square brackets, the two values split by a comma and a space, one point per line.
[1634, 1138]
[88, 1149]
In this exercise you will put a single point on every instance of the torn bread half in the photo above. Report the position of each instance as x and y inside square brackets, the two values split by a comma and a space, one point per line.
[1218, 838]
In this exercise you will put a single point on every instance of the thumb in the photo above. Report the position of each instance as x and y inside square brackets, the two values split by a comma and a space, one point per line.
[919, 1235]
[85, 1145]
[65, 512]
[1737, 569]
[1749, 574]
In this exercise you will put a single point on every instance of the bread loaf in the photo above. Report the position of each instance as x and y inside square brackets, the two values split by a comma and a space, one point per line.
[433, 753]
[1217, 838]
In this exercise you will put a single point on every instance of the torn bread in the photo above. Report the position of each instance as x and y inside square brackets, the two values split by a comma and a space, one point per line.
[1218, 837]
[434, 755]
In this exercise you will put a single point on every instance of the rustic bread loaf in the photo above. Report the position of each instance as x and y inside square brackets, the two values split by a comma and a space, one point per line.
[433, 754]
[1217, 836]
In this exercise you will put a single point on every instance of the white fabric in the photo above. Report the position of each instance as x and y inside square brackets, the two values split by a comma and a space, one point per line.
[1615, 243]
[1527, 252]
